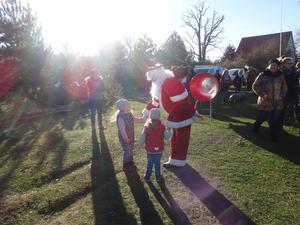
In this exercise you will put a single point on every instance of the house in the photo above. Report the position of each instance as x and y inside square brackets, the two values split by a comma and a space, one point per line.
[251, 44]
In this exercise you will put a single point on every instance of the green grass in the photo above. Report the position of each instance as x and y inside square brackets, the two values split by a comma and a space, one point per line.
[53, 170]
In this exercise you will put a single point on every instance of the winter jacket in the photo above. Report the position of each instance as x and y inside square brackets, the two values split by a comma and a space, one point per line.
[129, 127]
[273, 86]
[153, 137]
[292, 80]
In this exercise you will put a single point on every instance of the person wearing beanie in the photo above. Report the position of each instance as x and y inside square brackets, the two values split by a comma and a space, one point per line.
[270, 87]
[152, 137]
[292, 96]
[125, 125]
[276, 61]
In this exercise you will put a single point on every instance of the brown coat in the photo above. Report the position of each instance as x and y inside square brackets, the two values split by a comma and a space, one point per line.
[273, 87]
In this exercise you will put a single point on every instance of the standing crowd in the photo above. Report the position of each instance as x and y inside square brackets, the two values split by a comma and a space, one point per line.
[277, 88]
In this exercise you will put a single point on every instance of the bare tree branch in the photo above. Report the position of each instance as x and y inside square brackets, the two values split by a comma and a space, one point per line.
[203, 34]
[190, 44]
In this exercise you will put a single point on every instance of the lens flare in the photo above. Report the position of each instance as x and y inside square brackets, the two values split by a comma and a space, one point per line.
[75, 85]
[8, 75]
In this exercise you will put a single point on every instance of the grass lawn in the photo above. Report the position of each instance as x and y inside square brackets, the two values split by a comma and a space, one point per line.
[55, 170]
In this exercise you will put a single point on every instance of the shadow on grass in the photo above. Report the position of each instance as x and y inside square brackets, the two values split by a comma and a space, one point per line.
[170, 206]
[106, 196]
[288, 148]
[148, 214]
[225, 118]
[60, 173]
[60, 151]
[226, 212]
[69, 119]
[225, 112]
[63, 203]
[17, 141]
[54, 142]
[16, 152]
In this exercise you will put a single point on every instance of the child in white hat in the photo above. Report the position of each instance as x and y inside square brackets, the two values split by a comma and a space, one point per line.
[125, 119]
[152, 137]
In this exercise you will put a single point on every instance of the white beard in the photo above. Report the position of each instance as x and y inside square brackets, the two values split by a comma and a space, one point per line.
[155, 91]
[158, 77]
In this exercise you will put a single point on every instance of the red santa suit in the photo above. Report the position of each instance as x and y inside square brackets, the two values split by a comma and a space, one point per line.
[154, 103]
[174, 101]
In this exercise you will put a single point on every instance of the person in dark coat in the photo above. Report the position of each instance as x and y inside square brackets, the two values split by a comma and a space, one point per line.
[270, 87]
[292, 79]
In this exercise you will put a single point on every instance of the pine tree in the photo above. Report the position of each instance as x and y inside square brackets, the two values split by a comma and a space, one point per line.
[228, 53]
[21, 38]
[174, 52]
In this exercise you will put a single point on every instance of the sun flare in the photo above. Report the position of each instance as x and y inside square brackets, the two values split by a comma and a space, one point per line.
[85, 26]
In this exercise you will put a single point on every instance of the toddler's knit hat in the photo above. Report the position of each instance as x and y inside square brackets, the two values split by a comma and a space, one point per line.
[154, 114]
[121, 104]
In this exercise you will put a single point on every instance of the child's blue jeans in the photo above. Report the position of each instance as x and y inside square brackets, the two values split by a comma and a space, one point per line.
[153, 159]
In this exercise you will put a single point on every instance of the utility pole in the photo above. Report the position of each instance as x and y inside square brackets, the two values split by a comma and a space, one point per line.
[280, 36]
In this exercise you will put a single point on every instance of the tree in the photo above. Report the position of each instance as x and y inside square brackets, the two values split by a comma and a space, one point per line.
[173, 51]
[113, 62]
[18, 28]
[228, 53]
[142, 56]
[21, 38]
[144, 51]
[206, 31]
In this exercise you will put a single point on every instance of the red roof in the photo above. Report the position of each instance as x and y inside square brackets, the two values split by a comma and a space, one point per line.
[248, 44]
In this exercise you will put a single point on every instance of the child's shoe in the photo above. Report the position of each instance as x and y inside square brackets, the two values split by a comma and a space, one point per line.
[159, 179]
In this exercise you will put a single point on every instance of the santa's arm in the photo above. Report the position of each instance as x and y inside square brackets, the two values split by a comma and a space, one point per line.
[146, 111]
[175, 90]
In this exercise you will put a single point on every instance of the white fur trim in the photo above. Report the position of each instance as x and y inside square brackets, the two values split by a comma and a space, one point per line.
[179, 124]
[176, 162]
[180, 97]
[155, 103]
[158, 73]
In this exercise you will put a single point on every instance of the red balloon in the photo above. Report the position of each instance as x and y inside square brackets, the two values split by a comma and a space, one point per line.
[204, 87]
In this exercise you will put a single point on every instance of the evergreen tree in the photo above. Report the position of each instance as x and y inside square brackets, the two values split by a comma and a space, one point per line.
[18, 29]
[21, 38]
[173, 51]
[228, 53]
[142, 56]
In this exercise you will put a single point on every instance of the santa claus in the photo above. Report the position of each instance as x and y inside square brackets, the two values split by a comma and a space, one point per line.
[170, 94]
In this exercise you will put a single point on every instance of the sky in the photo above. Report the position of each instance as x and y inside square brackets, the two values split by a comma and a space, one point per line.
[84, 26]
